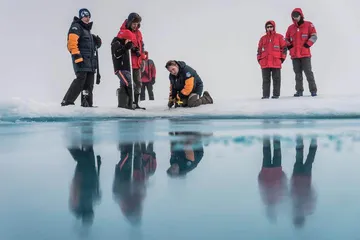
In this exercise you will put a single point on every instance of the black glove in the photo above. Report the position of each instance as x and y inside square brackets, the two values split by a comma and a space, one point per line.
[153, 81]
[97, 40]
[290, 47]
[128, 45]
[136, 50]
[170, 104]
[282, 60]
[306, 45]
[98, 77]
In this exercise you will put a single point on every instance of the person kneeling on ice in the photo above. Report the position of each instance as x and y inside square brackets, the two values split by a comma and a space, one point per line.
[186, 86]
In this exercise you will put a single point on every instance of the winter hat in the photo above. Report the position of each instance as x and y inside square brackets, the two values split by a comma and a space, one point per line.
[134, 18]
[84, 13]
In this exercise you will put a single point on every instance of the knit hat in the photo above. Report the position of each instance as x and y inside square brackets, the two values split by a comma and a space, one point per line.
[84, 13]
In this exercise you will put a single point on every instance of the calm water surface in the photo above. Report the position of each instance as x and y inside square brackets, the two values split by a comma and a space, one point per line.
[180, 180]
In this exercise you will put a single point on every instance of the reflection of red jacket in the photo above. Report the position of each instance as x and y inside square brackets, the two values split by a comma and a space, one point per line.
[299, 35]
[271, 49]
[138, 42]
[272, 184]
[303, 194]
[149, 72]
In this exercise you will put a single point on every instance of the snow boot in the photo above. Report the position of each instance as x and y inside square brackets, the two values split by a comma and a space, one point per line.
[265, 97]
[313, 94]
[298, 94]
[65, 103]
[86, 99]
[136, 102]
[206, 98]
[275, 97]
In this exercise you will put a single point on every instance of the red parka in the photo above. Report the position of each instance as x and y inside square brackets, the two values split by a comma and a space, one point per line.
[298, 34]
[271, 49]
[137, 42]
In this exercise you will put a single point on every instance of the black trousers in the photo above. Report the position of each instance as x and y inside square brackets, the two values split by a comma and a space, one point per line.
[149, 87]
[83, 81]
[267, 73]
[301, 65]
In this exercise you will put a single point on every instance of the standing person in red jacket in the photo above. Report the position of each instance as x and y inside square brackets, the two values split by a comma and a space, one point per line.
[270, 55]
[300, 36]
[148, 75]
[132, 23]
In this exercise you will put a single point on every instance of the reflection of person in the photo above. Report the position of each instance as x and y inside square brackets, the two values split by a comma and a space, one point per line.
[129, 187]
[148, 158]
[302, 192]
[85, 190]
[272, 178]
[185, 155]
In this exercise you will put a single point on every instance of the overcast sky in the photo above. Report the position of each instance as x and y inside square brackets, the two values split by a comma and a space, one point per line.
[217, 38]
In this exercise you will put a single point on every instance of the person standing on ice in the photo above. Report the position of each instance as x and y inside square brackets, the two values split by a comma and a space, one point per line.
[82, 45]
[271, 54]
[148, 75]
[186, 86]
[122, 67]
[300, 37]
[132, 24]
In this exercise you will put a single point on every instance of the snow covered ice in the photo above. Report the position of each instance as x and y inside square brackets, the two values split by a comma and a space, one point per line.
[286, 107]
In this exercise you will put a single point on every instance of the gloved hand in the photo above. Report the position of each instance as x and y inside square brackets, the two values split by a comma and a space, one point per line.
[290, 47]
[128, 45]
[306, 45]
[178, 103]
[171, 103]
[153, 81]
[98, 77]
[97, 40]
[282, 60]
[136, 50]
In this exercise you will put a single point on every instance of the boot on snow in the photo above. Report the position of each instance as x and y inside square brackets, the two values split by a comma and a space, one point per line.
[206, 98]
[136, 103]
[298, 94]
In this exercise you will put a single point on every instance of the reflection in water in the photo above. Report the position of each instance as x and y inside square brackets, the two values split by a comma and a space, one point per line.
[186, 153]
[85, 190]
[137, 163]
[302, 192]
[272, 179]
[273, 183]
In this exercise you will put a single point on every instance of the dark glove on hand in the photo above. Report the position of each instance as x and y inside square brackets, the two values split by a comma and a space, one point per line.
[98, 77]
[306, 45]
[128, 45]
[136, 50]
[290, 47]
[97, 40]
[153, 81]
[282, 60]
[170, 103]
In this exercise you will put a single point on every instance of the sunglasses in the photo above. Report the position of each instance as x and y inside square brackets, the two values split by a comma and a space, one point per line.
[269, 26]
